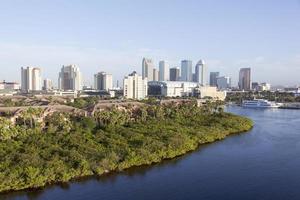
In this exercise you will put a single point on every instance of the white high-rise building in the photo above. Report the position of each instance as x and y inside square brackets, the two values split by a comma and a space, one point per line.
[147, 69]
[164, 71]
[70, 78]
[135, 87]
[103, 81]
[200, 71]
[155, 74]
[31, 79]
[186, 70]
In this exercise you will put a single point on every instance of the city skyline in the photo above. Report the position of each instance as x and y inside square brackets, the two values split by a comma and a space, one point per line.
[260, 35]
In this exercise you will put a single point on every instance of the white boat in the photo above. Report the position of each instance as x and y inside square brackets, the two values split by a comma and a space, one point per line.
[260, 103]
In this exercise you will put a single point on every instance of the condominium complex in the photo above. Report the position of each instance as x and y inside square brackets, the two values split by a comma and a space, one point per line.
[213, 78]
[147, 69]
[70, 78]
[135, 87]
[164, 71]
[186, 70]
[200, 72]
[31, 79]
[174, 74]
[245, 79]
[103, 81]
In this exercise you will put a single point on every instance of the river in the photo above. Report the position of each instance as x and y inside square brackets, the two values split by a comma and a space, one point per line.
[261, 164]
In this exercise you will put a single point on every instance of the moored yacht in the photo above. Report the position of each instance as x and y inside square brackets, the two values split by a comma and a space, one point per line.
[260, 103]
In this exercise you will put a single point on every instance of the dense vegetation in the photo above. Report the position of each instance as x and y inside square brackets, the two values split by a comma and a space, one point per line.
[63, 146]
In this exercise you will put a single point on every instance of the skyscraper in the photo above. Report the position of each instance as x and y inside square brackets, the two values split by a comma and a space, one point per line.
[174, 74]
[135, 87]
[70, 78]
[213, 78]
[31, 79]
[186, 70]
[245, 79]
[155, 74]
[103, 81]
[200, 72]
[164, 71]
[223, 82]
[48, 84]
[147, 69]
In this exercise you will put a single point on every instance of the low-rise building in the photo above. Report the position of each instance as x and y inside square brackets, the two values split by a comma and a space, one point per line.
[183, 89]
[9, 85]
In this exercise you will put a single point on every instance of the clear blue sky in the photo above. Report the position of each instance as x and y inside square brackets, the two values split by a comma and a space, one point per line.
[113, 36]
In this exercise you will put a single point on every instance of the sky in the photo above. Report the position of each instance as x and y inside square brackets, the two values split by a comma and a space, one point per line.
[114, 35]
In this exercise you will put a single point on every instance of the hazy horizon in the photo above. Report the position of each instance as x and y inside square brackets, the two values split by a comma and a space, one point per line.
[114, 36]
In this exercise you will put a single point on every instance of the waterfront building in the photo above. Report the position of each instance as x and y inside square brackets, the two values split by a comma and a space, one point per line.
[31, 79]
[135, 87]
[255, 86]
[200, 72]
[183, 89]
[47, 84]
[147, 69]
[103, 81]
[174, 74]
[155, 74]
[70, 78]
[164, 71]
[245, 79]
[186, 70]
[213, 78]
[265, 87]
[223, 82]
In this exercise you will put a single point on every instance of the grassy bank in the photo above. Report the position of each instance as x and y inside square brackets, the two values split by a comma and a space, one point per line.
[67, 147]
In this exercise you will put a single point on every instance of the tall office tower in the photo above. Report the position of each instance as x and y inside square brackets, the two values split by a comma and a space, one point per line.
[70, 78]
[174, 74]
[164, 71]
[200, 71]
[103, 81]
[223, 82]
[48, 84]
[213, 78]
[147, 69]
[186, 70]
[155, 74]
[31, 79]
[245, 79]
[135, 87]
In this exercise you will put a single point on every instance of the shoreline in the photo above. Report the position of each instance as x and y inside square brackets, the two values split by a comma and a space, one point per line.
[117, 171]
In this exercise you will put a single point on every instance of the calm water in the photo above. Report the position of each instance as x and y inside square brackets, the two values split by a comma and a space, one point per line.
[261, 164]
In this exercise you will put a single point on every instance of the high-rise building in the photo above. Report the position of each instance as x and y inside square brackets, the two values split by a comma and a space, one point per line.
[223, 82]
[70, 78]
[155, 75]
[147, 69]
[164, 71]
[186, 70]
[31, 79]
[213, 78]
[47, 84]
[245, 79]
[135, 87]
[103, 81]
[174, 74]
[200, 72]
